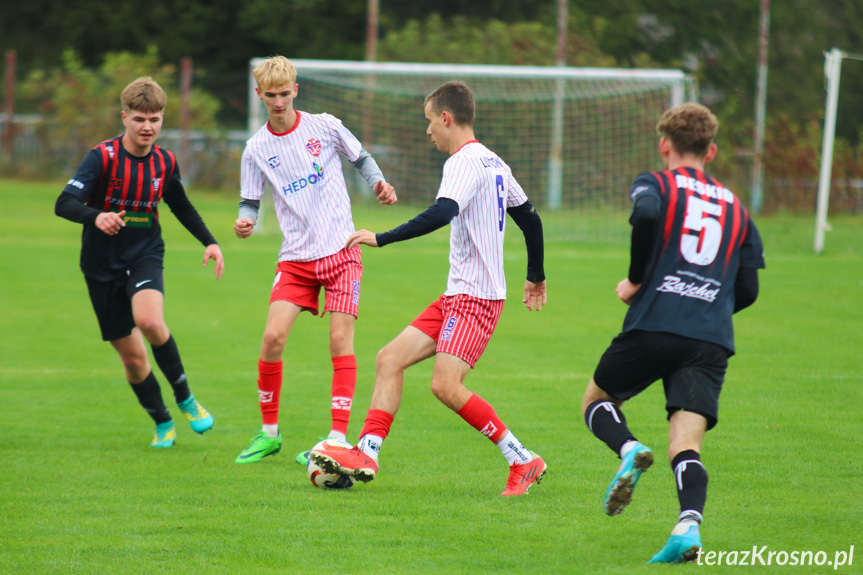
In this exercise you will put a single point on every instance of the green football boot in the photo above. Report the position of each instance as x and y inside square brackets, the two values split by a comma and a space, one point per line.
[260, 447]
[303, 456]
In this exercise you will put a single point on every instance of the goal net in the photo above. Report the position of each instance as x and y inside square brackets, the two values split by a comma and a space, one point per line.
[574, 137]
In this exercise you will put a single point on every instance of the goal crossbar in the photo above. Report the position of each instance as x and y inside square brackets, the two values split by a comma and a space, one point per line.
[462, 70]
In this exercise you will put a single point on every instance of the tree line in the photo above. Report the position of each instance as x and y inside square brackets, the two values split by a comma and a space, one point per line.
[716, 42]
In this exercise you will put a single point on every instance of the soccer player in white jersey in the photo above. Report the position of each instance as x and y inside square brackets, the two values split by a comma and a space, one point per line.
[476, 192]
[297, 154]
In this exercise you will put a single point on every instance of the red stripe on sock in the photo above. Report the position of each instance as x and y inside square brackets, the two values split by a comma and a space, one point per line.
[269, 390]
[378, 423]
[344, 384]
[481, 416]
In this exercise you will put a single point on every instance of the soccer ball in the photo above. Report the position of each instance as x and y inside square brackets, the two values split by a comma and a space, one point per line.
[321, 478]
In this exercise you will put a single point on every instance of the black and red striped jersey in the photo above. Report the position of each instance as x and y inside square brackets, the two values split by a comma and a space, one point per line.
[705, 235]
[111, 179]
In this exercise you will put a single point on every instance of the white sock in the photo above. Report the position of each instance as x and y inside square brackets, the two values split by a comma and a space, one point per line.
[337, 435]
[686, 520]
[371, 445]
[513, 450]
[627, 447]
[270, 430]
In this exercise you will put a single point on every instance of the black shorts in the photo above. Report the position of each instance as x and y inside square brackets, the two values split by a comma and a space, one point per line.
[691, 370]
[112, 301]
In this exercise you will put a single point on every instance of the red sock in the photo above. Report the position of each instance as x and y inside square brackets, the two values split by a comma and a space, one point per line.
[344, 384]
[269, 390]
[377, 423]
[482, 417]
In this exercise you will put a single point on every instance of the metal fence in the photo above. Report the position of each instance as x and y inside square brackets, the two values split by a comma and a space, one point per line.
[213, 162]
[206, 160]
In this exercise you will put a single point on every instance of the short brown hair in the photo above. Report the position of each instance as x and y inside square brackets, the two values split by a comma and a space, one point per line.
[275, 71]
[144, 95]
[455, 98]
[691, 128]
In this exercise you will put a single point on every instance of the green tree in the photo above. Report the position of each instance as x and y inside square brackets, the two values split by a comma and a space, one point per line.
[462, 40]
[82, 105]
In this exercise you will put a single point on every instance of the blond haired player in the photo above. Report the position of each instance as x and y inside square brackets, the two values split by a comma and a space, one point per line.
[477, 191]
[297, 155]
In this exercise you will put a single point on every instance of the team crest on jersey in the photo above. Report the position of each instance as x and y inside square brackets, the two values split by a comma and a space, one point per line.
[156, 183]
[110, 150]
[314, 147]
[274, 162]
[114, 185]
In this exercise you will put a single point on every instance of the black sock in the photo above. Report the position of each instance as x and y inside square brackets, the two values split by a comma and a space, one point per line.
[168, 359]
[691, 478]
[150, 397]
[607, 422]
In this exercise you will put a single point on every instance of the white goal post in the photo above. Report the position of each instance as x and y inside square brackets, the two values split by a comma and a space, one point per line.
[574, 137]
[832, 72]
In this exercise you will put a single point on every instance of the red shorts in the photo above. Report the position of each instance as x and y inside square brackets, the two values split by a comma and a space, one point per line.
[461, 324]
[339, 274]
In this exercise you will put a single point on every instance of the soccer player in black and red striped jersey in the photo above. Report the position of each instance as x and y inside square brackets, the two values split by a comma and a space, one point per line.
[694, 260]
[116, 194]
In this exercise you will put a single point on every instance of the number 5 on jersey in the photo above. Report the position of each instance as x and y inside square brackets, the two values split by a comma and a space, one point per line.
[702, 235]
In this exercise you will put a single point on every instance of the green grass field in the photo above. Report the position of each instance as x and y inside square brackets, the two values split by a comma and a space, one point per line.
[82, 492]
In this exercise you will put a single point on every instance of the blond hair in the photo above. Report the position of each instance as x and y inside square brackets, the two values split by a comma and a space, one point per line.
[691, 128]
[275, 71]
[144, 95]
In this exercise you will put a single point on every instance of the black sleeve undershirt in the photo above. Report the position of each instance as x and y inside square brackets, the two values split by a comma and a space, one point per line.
[435, 217]
[645, 226]
[745, 288]
[70, 207]
[72, 202]
[530, 224]
[176, 198]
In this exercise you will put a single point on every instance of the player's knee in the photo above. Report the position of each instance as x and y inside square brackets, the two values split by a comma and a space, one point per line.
[136, 364]
[153, 328]
[444, 391]
[273, 342]
[438, 391]
[387, 361]
[676, 446]
[592, 394]
[341, 343]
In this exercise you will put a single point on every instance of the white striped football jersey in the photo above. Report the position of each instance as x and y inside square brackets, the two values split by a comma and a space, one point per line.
[304, 171]
[484, 187]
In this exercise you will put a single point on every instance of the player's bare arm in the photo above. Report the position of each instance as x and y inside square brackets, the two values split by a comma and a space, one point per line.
[244, 227]
[385, 193]
[362, 237]
[214, 252]
[626, 290]
[111, 223]
[534, 295]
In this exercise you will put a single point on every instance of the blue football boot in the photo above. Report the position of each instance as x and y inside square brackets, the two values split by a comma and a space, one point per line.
[619, 492]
